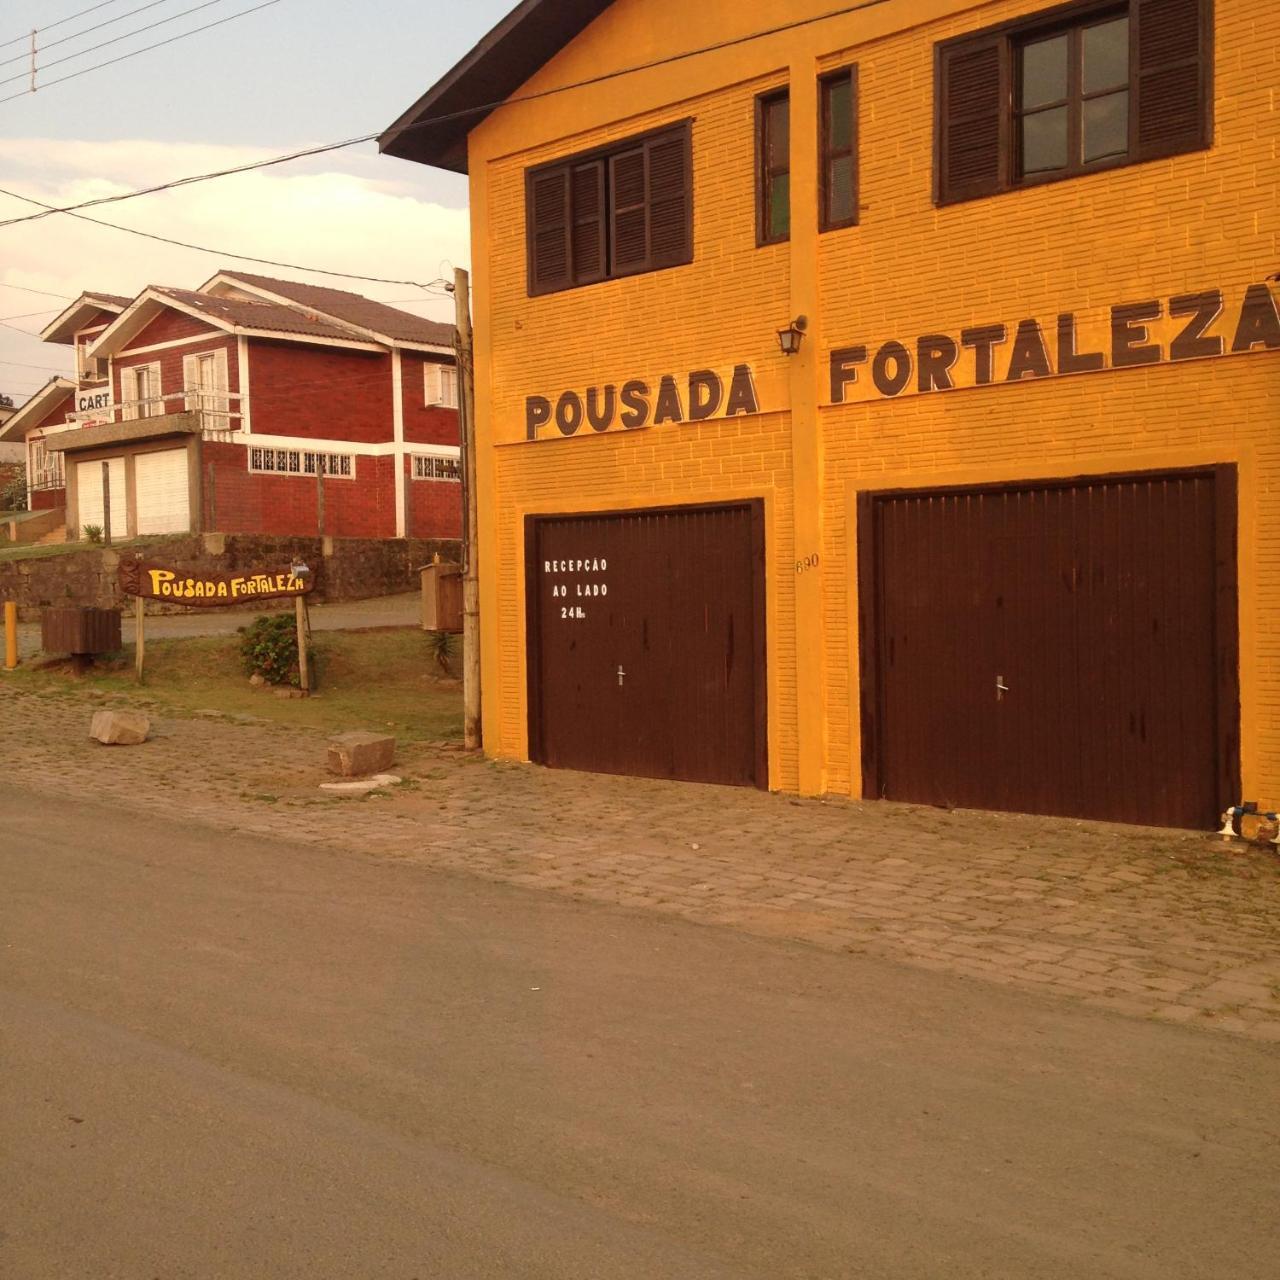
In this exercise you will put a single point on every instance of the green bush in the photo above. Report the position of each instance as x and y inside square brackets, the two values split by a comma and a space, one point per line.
[93, 532]
[269, 647]
[13, 491]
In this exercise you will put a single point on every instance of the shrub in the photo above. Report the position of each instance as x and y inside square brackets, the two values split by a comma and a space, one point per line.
[93, 532]
[269, 647]
[13, 488]
[440, 646]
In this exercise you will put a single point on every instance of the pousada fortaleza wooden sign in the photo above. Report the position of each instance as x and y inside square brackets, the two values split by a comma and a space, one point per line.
[160, 582]
[1189, 326]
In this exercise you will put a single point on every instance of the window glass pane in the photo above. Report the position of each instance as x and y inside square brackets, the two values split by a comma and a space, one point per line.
[1044, 141]
[1106, 55]
[779, 209]
[840, 190]
[778, 133]
[1106, 126]
[1044, 71]
[839, 114]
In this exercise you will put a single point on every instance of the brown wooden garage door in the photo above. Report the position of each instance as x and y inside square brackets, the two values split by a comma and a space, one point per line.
[1059, 649]
[646, 643]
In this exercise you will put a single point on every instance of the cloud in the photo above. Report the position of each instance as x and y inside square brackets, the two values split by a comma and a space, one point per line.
[345, 212]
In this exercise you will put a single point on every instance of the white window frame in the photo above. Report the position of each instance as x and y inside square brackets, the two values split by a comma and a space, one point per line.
[208, 396]
[440, 385]
[428, 466]
[267, 460]
[131, 403]
[45, 469]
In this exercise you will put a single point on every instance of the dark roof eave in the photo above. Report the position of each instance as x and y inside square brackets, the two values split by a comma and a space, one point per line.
[525, 40]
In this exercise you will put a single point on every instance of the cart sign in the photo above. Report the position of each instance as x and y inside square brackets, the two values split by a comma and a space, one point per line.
[93, 407]
[159, 582]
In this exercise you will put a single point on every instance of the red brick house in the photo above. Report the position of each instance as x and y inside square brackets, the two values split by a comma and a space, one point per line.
[249, 405]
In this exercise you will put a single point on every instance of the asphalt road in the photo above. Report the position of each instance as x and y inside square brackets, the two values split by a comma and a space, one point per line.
[224, 1057]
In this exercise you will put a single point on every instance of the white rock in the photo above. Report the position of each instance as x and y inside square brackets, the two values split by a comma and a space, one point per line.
[119, 728]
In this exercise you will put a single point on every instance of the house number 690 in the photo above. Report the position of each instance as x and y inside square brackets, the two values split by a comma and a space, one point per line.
[809, 562]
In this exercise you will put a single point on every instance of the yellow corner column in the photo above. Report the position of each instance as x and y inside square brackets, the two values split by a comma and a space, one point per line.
[806, 438]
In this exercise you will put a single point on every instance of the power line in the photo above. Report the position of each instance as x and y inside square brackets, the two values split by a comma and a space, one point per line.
[456, 115]
[128, 35]
[43, 368]
[76, 35]
[26, 288]
[52, 311]
[133, 53]
[217, 253]
[61, 22]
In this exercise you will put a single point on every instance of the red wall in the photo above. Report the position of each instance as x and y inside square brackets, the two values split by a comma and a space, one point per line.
[47, 499]
[237, 500]
[170, 360]
[434, 506]
[56, 416]
[320, 392]
[423, 425]
[169, 326]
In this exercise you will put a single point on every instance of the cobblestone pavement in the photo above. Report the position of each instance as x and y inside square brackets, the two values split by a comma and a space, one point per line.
[1170, 925]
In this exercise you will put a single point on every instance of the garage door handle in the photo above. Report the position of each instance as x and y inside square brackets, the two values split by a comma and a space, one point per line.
[622, 675]
[1001, 688]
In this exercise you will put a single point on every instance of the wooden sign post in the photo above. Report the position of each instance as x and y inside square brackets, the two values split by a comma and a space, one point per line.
[139, 637]
[304, 677]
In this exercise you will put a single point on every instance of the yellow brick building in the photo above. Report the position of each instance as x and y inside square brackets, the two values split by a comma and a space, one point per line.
[1018, 490]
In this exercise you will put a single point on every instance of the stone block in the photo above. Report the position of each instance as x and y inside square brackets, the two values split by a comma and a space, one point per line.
[355, 755]
[119, 728]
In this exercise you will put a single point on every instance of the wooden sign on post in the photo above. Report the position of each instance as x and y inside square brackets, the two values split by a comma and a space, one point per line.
[214, 590]
[145, 580]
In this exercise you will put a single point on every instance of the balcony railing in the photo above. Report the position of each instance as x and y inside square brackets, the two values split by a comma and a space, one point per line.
[219, 412]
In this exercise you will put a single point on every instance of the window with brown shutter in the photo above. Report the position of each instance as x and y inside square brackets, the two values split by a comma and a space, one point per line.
[1092, 85]
[838, 155]
[614, 212]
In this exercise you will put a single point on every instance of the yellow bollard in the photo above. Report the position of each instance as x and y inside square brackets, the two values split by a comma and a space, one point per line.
[10, 635]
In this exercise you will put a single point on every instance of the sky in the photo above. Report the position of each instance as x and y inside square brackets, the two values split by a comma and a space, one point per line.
[295, 74]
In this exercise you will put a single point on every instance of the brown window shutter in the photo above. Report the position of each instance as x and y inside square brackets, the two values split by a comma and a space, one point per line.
[669, 200]
[971, 97]
[628, 182]
[548, 222]
[588, 222]
[1172, 53]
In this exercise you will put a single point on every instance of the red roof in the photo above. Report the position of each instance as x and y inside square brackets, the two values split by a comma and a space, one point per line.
[245, 314]
[353, 308]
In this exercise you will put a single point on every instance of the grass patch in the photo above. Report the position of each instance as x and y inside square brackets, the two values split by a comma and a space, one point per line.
[377, 680]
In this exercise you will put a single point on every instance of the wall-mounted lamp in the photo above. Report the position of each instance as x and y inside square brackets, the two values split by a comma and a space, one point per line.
[789, 338]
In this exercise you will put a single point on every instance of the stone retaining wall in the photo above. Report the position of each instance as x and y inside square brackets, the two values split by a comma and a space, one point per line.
[345, 568]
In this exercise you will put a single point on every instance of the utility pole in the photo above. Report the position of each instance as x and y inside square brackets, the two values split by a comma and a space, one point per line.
[470, 520]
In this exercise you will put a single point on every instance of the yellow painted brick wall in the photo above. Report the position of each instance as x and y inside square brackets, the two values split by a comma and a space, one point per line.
[1149, 231]
[1184, 224]
[728, 302]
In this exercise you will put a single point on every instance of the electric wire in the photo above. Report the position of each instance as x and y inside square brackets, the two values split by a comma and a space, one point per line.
[218, 253]
[61, 22]
[445, 118]
[133, 53]
[76, 35]
[26, 288]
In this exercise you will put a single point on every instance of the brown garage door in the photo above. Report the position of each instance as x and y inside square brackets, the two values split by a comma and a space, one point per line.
[1058, 649]
[646, 633]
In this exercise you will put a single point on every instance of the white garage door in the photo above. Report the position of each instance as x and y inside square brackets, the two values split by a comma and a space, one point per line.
[163, 489]
[90, 488]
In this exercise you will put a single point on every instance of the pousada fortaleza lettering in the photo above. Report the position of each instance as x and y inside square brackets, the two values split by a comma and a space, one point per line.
[1189, 326]
[636, 403]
